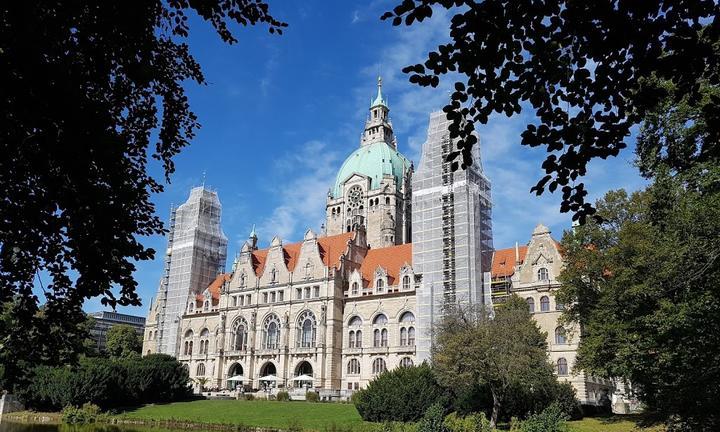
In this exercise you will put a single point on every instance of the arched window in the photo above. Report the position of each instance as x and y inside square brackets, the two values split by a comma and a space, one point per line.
[403, 336]
[406, 362]
[380, 285]
[531, 304]
[355, 321]
[406, 283]
[411, 336]
[376, 338]
[407, 317]
[378, 366]
[308, 267]
[351, 339]
[200, 369]
[358, 339]
[355, 289]
[562, 367]
[240, 335]
[383, 337]
[381, 319]
[560, 337]
[387, 200]
[188, 345]
[306, 330]
[243, 280]
[544, 304]
[271, 339]
[204, 341]
[542, 274]
[353, 367]
[207, 305]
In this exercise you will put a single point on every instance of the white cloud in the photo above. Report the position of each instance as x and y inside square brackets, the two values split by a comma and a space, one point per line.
[355, 16]
[301, 181]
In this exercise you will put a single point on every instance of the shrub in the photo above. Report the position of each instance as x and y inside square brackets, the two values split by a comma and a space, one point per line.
[107, 383]
[88, 413]
[249, 396]
[433, 420]
[312, 396]
[471, 423]
[283, 396]
[415, 386]
[568, 402]
[551, 419]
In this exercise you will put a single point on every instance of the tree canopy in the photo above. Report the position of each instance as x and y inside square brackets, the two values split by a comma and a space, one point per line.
[123, 341]
[505, 354]
[586, 68]
[92, 93]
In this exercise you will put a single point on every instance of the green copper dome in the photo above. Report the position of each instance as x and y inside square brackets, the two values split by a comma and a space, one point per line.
[375, 161]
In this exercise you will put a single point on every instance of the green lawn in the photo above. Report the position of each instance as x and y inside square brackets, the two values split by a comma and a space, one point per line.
[314, 416]
[253, 413]
[612, 424]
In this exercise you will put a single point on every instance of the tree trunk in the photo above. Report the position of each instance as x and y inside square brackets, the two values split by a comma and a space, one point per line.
[495, 410]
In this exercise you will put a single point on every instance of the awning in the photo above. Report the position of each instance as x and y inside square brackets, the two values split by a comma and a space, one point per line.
[236, 378]
[269, 378]
[303, 378]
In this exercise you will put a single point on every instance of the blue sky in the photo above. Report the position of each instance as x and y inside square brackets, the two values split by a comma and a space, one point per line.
[280, 113]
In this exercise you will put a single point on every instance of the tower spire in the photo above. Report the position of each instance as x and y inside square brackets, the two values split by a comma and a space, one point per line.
[378, 127]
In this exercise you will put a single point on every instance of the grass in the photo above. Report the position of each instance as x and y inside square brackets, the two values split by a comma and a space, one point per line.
[316, 416]
[272, 414]
[613, 424]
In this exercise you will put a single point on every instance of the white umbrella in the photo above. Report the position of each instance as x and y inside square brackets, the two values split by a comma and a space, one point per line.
[269, 378]
[236, 378]
[303, 378]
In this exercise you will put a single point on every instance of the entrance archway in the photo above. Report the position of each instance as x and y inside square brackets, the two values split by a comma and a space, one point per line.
[236, 370]
[268, 369]
[303, 368]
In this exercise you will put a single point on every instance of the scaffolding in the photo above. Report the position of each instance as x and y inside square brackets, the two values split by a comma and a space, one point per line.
[196, 254]
[451, 231]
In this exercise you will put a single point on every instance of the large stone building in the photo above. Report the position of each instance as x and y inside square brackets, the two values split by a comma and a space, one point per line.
[336, 309]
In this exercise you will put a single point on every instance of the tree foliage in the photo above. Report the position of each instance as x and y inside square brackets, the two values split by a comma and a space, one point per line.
[91, 91]
[505, 355]
[107, 383]
[586, 68]
[123, 341]
[415, 386]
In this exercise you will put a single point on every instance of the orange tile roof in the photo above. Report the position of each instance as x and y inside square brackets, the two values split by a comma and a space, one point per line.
[503, 262]
[214, 288]
[390, 258]
[331, 249]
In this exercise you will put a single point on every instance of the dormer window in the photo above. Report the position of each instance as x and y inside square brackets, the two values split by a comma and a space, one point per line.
[380, 286]
[207, 305]
[543, 274]
[354, 288]
[406, 283]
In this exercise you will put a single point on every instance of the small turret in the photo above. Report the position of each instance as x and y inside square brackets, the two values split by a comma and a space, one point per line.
[378, 126]
[253, 239]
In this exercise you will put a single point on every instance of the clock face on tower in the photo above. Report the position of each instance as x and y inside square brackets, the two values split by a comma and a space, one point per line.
[355, 195]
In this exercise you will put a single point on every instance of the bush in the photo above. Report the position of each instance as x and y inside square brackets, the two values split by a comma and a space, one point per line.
[107, 383]
[568, 402]
[312, 396]
[415, 386]
[249, 397]
[471, 423]
[552, 419]
[433, 420]
[283, 396]
[88, 413]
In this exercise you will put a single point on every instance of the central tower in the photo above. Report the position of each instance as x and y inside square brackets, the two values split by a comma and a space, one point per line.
[372, 188]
